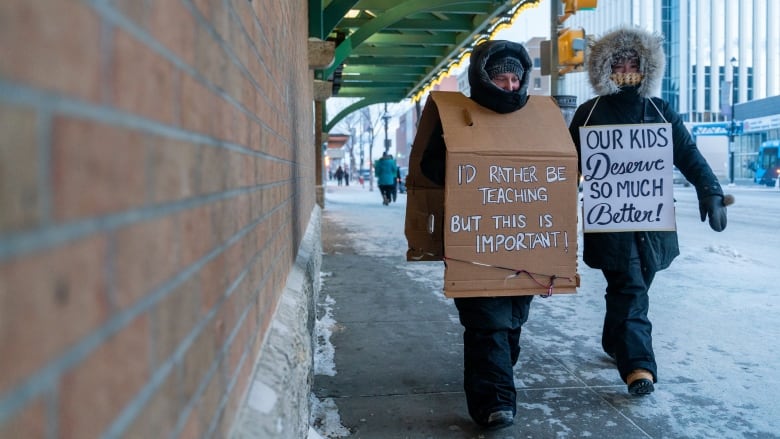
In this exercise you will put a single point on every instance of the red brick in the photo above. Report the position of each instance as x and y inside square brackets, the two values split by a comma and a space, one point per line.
[193, 427]
[220, 19]
[248, 176]
[179, 38]
[241, 136]
[51, 45]
[19, 168]
[197, 361]
[95, 391]
[97, 169]
[226, 219]
[175, 317]
[49, 301]
[135, 11]
[204, 8]
[195, 235]
[213, 169]
[30, 423]
[146, 256]
[233, 165]
[233, 117]
[241, 205]
[173, 168]
[238, 41]
[209, 400]
[159, 415]
[143, 81]
[247, 99]
[213, 281]
[256, 137]
[244, 375]
[196, 106]
[222, 118]
[232, 264]
[210, 59]
[246, 15]
[238, 347]
[229, 313]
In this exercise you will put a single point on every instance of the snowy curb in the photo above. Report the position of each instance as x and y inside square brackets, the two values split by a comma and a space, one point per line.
[277, 401]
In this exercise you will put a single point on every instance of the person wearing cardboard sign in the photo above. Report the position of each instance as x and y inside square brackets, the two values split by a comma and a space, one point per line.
[498, 75]
[625, 68]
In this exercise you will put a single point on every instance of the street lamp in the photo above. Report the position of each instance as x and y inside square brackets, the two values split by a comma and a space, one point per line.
[732, 127]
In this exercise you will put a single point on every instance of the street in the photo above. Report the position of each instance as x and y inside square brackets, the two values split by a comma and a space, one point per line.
[715, 315]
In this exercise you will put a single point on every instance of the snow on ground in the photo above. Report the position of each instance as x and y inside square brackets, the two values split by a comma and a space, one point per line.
[325, 420]
[714, 311]
[324, 416]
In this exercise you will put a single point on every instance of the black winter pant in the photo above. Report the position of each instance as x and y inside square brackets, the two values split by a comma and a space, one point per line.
[627, 332]
[386, 191]
[491, 347]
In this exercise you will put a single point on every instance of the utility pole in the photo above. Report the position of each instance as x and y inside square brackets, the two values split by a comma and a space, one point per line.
[370, 132]
[566, 50]
[386, 118]
[352, 149]
[733, 127]
[554, 12]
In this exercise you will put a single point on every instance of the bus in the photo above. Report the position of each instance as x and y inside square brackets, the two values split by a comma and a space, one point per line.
[767, 165]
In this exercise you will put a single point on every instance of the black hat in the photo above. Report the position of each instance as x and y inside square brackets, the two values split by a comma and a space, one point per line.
[491, 58]
[499, 63]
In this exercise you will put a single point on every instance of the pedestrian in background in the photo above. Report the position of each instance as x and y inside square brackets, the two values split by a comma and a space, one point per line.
[625, 68]
[498, 75]
[385, 170]
[339, 175]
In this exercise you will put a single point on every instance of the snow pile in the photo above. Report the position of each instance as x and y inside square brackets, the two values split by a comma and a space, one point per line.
[323, 329]
[324, 419]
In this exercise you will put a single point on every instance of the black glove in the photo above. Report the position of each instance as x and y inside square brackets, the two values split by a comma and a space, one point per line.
[713, 207]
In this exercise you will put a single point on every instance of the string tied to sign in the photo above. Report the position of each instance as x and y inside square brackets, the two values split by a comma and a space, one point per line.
[548, 287]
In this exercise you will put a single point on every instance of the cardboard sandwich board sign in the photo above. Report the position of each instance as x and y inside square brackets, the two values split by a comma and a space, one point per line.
[627, 178]
[505, 222]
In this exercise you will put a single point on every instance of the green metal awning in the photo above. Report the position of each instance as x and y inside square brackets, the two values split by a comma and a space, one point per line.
[390, 50]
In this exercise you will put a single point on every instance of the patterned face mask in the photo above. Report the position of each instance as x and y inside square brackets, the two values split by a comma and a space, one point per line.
[626, 79]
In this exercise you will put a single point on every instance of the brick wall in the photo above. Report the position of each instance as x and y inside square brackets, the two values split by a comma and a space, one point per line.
[156, 180]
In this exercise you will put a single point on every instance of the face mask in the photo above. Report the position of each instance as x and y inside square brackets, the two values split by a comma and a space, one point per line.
[626, 79]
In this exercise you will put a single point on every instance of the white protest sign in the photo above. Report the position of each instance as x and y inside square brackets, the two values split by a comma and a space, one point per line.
[516, 206]
[627, 177]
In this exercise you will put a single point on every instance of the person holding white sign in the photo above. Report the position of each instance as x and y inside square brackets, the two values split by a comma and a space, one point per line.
[628, 143]
[498, 74]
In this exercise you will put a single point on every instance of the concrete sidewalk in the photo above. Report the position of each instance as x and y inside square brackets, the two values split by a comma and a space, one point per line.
[398, 353]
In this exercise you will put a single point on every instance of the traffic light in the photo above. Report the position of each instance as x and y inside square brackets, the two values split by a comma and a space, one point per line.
[571, 42]
[566, 53]
[571, 47]
[571, 7]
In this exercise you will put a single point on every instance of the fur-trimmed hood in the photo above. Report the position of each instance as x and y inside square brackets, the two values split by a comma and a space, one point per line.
[652, 62]
[487, 94]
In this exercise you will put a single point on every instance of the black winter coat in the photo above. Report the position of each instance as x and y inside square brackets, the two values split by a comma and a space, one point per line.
[657, 249]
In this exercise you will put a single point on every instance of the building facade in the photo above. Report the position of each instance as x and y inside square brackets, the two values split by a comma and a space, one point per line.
[721, 55]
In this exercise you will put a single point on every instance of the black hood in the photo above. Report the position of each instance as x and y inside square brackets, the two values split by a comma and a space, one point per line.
[487, 94]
